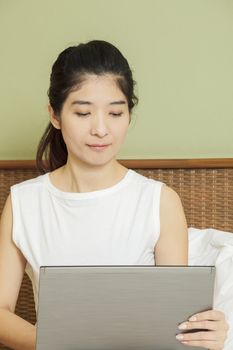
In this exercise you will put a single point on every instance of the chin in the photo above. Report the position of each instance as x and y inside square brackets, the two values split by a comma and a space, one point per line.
[99, 163]
[93, 161]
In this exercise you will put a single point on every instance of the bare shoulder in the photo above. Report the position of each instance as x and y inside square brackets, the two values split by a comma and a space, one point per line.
[169, 197]
[171, 209]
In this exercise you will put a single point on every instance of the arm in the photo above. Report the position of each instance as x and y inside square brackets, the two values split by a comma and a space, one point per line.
[172, 246]
[172, 249]
[15, 332]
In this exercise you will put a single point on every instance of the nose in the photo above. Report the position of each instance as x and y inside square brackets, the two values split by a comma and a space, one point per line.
[99, 126]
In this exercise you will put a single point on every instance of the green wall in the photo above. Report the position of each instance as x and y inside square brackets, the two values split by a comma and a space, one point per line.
[181, 52]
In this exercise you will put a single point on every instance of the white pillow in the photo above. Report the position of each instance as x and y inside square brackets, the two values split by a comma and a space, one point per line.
[213, 247]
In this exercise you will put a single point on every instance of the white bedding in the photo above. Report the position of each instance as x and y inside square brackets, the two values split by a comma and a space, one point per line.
[213, 247]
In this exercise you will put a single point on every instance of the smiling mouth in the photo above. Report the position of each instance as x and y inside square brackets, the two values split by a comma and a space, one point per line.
[98, 146]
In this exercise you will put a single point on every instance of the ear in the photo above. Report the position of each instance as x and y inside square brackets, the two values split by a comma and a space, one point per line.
[55, 121]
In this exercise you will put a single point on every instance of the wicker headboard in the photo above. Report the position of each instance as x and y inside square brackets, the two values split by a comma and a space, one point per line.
[205, 187]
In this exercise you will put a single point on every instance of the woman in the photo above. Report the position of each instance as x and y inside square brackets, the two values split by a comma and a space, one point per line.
[89, 209]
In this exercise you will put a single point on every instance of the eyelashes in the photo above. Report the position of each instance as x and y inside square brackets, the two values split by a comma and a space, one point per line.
[88, 113]
[82, 114]
[116, 114]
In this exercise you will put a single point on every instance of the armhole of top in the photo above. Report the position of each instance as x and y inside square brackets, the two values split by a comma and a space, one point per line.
[157, 208]
[15, 214]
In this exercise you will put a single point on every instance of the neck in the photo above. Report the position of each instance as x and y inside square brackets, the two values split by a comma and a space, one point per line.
[74, 177]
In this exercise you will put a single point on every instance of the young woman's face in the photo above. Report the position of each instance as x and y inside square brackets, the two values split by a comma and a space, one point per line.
[94, 120]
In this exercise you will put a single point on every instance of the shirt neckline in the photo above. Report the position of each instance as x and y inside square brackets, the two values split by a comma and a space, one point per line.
[87, 195]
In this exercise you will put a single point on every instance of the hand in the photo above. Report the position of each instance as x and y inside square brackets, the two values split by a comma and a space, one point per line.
[213, 339]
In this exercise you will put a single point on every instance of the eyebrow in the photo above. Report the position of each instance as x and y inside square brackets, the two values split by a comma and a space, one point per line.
[81, 102]
[118, 102]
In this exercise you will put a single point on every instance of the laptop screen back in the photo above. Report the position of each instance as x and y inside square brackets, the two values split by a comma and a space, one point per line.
[119, 307]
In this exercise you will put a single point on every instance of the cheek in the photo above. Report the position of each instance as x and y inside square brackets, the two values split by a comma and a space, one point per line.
[72, 128]
[125, 128]
[122, 130]
[71, 134]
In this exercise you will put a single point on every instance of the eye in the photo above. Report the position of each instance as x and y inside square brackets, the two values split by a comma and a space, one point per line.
[82, 114]
[116, 114]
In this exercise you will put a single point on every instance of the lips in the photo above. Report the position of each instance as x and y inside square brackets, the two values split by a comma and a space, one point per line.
[98, 147]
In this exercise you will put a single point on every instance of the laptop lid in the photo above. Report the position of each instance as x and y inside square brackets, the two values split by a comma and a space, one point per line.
[119, 307]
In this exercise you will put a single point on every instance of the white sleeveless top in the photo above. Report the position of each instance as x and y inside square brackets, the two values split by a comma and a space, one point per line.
[119, 225]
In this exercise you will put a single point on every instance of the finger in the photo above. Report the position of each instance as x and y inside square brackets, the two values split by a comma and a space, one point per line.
[210, 325]
[198, 336]
[211, 345]
[212, 315]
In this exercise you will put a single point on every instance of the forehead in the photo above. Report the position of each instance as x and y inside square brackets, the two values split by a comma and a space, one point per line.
[97, 89]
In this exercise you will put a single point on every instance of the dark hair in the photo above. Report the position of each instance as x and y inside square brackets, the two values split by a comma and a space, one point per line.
[68, 72]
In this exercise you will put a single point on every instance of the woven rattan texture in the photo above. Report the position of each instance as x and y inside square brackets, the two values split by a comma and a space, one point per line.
[206, 194]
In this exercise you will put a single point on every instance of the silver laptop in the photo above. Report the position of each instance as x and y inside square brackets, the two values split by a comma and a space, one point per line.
[119, 307]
